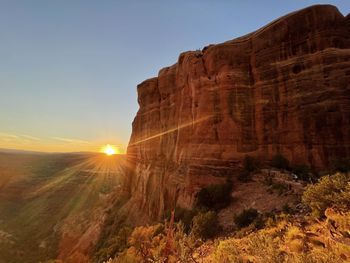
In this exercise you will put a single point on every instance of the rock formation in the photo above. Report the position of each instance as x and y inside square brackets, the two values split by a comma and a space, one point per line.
[284, 88]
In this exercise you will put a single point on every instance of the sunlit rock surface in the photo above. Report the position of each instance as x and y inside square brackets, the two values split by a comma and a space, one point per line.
[284, 88]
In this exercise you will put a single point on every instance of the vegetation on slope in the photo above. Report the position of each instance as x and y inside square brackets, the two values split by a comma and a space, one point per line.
[330, 191]
[323, 236]
[186, 235]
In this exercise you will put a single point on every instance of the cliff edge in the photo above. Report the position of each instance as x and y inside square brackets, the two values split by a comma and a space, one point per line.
[284, 88]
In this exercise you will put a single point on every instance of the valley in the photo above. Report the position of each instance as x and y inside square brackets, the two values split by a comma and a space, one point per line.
[41, 193]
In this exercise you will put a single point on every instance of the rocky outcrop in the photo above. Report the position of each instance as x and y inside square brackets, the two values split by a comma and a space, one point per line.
[284, 88]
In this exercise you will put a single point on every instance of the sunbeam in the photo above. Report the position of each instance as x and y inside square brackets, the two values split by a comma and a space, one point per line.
[181, 126]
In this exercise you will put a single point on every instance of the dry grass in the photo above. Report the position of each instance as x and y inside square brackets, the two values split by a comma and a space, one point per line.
[283, 243]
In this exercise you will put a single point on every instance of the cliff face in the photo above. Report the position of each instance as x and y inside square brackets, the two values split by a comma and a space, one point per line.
[284, 88]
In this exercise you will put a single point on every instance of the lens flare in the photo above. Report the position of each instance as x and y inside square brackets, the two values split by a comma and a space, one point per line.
[109, 150]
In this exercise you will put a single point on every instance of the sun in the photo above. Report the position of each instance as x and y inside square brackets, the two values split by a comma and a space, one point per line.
[109, 150]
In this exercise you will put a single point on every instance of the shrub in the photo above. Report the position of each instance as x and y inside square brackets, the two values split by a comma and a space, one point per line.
[147, 241]
[214, 196]
[341, 165]
[205, 225]
[265, 248]
[250, 164]
[246, 217]
[330, 191]
[183, 215]
[306, 173]
[257, 247]
[303, 172]
[118, 243]
[227, 251]
[184, 245]
[280, 162]
[286, 209]
[277, 245]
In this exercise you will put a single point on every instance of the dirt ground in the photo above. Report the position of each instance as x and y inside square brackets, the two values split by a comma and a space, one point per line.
[261, 196]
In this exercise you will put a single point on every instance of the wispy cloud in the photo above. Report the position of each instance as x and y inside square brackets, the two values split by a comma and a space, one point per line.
[8, 138]
[70, 140]
[47, 144]
[8, 135]
[29, 137]
[11, 139]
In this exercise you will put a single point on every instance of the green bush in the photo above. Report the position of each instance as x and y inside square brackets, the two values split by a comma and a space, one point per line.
[246, 217]
[250, 164]
[330, 191]
[305, 173]
[205, 225]
[302, 171]
[286, 209]
[215, 196]
[341, 165]
[183, 215]
[280, 162]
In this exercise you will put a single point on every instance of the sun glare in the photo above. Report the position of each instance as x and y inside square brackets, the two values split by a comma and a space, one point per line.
[109, 150]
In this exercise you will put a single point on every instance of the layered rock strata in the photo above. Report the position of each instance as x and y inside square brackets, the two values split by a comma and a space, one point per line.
[284, 88]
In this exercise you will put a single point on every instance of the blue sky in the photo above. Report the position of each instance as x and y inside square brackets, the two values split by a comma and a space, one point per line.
[69, 69]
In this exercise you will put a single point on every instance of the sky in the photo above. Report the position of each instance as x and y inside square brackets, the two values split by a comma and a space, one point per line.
[69, 68]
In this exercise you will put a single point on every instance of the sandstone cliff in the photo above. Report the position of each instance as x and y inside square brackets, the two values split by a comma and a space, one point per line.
[284, 88]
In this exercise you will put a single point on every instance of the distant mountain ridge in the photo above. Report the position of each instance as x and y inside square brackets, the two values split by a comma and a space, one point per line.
[6, 150]
[18, 151]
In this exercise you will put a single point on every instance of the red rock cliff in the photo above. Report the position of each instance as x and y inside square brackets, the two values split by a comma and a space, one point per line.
[284, 88]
